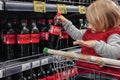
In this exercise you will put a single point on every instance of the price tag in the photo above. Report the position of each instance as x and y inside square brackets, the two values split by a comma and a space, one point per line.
[44, 61]
[61, 8]
[39, 6]
[26, 66]
[82, 9]
[1, 73]
[1, 5]
[35, 64]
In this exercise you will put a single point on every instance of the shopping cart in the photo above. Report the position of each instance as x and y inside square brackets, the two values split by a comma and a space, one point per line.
[67, 70]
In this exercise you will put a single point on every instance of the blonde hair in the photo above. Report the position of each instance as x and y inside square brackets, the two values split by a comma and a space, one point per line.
[103, 13]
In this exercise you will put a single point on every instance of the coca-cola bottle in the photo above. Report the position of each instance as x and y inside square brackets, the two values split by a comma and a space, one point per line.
[9, 41]
[51, 73]
[81, 23]
[1, 40]
[44, 35]
[19, 76]
[7, 78]
[30, 75]
[22, 77]
[34, 38]
[41, 75]
[54, 33]
[23, 40]
[15, 25]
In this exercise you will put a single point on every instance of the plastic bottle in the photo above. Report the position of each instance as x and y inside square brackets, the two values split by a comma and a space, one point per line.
[51, 73]
[18, 76]
[34, 38]
[9, 41]
[55, 31]
[23, 40]
[44, 34]
[8, 78]
[41, 75]
[31, 75]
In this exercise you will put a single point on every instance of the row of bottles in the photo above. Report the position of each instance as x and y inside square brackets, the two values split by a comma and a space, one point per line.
[26, 37]
[63, 71]
[29, 37]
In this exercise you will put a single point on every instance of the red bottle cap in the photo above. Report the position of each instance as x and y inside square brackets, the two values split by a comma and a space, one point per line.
[41, 20]
[58, 14]
[50, 20]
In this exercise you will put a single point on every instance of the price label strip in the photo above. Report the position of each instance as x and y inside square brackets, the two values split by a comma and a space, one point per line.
[1, 73]
[35, 64]
[39, 6]
[44, 61]
[82, 9]
[1, 5]
[61, 8]
[26, 66]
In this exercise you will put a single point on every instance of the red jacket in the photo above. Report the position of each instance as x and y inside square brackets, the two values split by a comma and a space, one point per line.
[90, 51]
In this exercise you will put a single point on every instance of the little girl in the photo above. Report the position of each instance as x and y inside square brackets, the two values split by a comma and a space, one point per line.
[101, 38]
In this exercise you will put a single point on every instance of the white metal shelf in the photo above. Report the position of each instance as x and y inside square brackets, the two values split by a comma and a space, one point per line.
[28, 6]
[9, 68]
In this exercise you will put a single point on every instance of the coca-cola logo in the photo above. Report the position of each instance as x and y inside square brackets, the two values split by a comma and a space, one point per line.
[55, 30]
[35, 38]
[44, 35]
[23, 38]
[9, 39]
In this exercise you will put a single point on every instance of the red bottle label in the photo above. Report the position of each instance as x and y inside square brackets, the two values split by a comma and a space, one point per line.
[42, 79]
[34, 38]
[51, 77]
[23, 38]
[9, 39]
[55, 30]
[63, 35]
[44, 35]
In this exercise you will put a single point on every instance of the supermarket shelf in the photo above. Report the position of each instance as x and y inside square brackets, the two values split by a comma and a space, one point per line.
[16, 66]
[28, 6]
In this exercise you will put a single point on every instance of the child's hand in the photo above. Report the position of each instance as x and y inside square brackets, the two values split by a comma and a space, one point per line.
[60, 19]
[89, 43]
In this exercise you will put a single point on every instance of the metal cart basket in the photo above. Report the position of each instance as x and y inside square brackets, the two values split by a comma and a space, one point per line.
[67, 70]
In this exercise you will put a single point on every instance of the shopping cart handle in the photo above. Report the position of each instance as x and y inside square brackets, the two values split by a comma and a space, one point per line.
[45, 51]
[95, 59]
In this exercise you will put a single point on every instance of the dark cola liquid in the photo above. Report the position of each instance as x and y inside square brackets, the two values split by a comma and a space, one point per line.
[41, 75]
[63, 39]
[34, 39]
[30, 75]
[7, 78]
[9, 41]
[18, 76]
[1, 45]
[23, 40]
[51, 73]
[54, 36]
